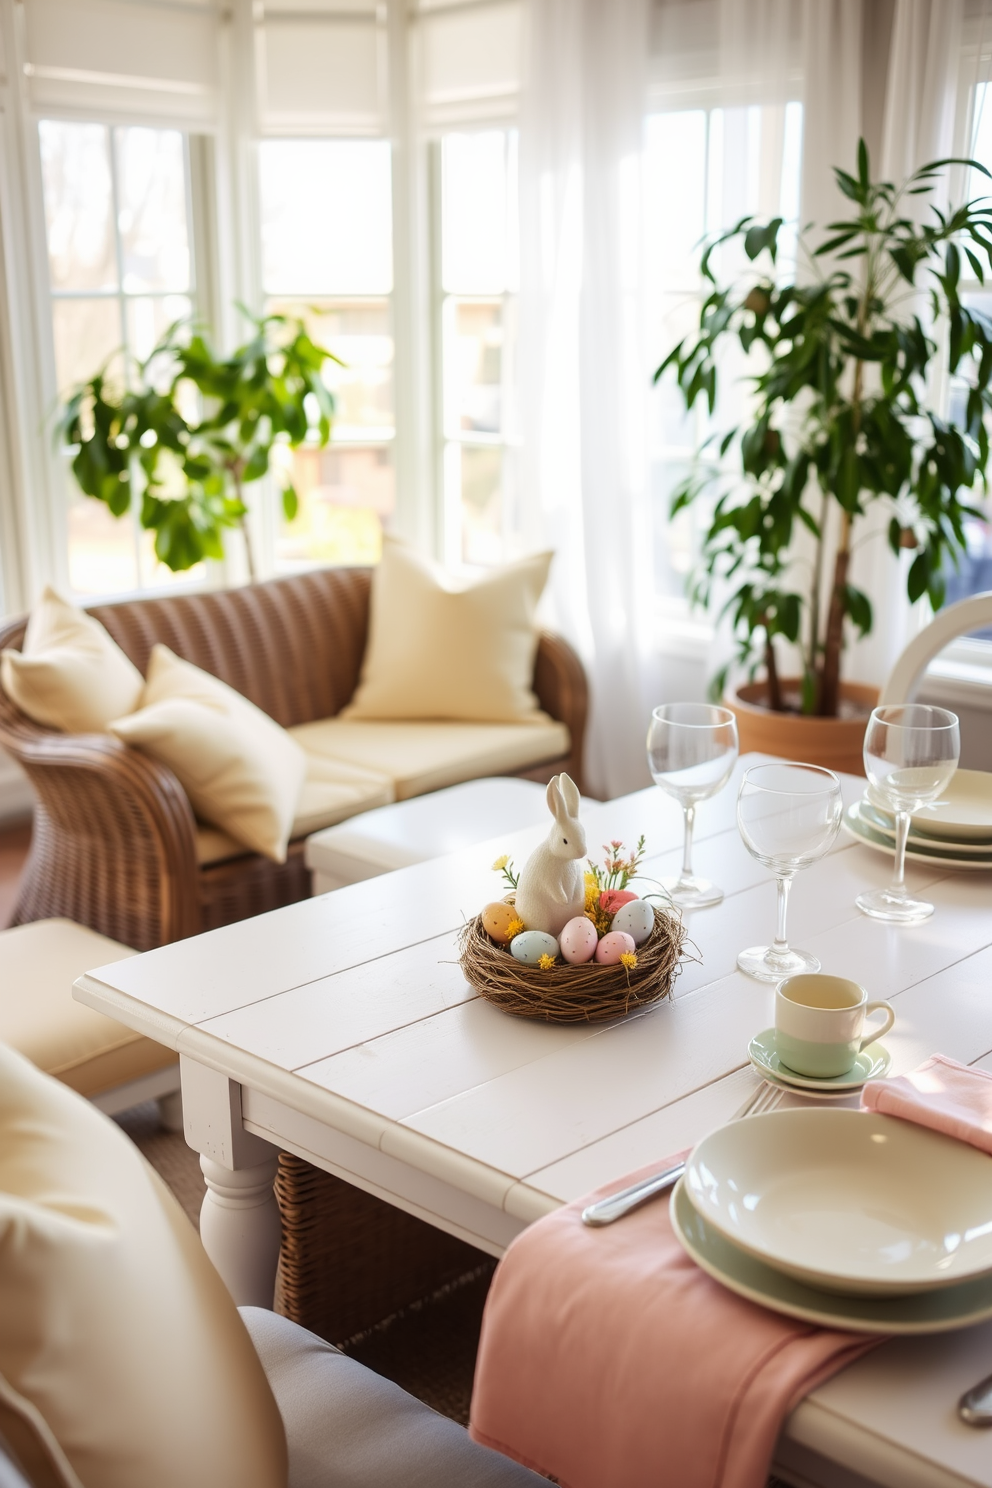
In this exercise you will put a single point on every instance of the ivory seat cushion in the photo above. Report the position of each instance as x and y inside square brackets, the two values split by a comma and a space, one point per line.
[423, 756]
[332, 791]
[123, 1360]
[39, 1017]
[441, 649]
[241, 771]
[70, 675]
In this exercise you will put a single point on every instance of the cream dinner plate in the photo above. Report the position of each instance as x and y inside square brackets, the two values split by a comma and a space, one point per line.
[963, 812]
[958, 1306]
[871, 1064]
[848, 1201]
[856, 826]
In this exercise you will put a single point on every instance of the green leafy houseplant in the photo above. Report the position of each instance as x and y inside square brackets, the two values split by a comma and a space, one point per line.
[842, 416]
[190, 429]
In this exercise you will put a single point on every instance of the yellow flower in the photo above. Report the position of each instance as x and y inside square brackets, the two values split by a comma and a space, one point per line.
[629, 960]
[599, 916]
[501, 863]
[546, 962]
[514, 928]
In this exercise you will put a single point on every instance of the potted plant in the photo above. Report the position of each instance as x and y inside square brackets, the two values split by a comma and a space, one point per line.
[189, 430]
[841, 416]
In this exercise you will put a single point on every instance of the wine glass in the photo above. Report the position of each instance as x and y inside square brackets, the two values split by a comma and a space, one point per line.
[692, 750]
[911, 752]
[788, 815]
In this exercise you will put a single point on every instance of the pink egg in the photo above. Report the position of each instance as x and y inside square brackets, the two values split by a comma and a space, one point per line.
[613, 946]
[577, 942]
[613, 899]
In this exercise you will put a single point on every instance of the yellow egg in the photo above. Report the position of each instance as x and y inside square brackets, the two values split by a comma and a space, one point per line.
[496, 921]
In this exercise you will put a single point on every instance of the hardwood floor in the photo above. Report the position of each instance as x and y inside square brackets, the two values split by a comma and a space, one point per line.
[14, 843]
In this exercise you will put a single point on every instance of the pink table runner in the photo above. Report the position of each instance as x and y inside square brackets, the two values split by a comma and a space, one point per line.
[942, 1094]
[609, 1360]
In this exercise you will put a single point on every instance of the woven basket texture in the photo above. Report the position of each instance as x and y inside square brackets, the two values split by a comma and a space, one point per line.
[348, 1260]
[591, 993]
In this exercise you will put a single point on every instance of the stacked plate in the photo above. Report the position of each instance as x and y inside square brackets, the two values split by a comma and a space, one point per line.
[845, 1218]
[956, 830]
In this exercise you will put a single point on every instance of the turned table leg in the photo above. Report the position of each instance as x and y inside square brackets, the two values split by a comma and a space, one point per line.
[239, 1220]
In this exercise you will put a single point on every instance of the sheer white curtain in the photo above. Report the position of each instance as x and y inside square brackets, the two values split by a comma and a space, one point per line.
[583, 383]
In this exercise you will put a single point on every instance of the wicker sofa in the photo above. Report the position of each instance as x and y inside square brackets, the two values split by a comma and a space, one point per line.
[116, 846]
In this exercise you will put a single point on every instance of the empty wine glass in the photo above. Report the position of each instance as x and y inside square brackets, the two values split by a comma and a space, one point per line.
[911, 752]
[788, 816]
[692, 749]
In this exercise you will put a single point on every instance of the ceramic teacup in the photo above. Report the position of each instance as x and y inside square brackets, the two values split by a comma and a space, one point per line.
[819, 1023]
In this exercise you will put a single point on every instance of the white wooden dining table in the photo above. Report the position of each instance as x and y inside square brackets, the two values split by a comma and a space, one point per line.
[341, 1029]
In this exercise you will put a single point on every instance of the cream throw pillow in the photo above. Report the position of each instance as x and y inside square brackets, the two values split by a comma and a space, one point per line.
[121, 1351]
[70, 675]
[241, 771]
[441, 650]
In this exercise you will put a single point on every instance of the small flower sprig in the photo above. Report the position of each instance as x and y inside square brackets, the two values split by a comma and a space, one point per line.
[617, 870]
[504, 865]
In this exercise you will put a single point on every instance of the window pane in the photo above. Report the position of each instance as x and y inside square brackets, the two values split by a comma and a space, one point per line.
[148, 319]
[345, 495]
[101, 547]
[75, 165]
[326, 217]
[151, 186]
[475, 478]
[473, 361]
[360, 333]
[87, 333]
[478, 206]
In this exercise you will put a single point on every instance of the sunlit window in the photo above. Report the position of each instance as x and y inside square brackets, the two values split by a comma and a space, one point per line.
[327, 256]
[479, 277]
[120, 272]
[704, 170]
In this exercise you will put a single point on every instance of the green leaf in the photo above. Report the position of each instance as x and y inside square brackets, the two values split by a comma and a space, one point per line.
[290, 502]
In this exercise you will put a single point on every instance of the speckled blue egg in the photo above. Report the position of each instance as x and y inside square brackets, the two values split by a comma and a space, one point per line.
[530, 945]
[636, 919]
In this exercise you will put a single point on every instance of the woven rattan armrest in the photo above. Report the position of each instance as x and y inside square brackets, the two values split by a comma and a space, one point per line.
[114, 843]
[563, 692]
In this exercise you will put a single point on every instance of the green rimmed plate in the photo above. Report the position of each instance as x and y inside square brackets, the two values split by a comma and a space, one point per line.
[872, 1063]
[960, 1306]
[856, 826]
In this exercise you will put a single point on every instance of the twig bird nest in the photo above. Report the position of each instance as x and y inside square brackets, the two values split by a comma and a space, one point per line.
[590, 993]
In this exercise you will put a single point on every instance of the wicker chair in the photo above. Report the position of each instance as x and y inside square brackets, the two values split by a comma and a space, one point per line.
[114, 843]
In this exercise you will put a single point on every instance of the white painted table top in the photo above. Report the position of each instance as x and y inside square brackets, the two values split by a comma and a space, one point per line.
[351, 1009]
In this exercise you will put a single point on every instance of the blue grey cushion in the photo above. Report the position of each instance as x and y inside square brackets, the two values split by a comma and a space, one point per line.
[350, 1428]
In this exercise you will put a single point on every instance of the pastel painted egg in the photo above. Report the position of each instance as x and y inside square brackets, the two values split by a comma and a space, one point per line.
[530, 945]
[496, 921]
[635, 919]
[613, 899]
[612, 947]
[579, 940]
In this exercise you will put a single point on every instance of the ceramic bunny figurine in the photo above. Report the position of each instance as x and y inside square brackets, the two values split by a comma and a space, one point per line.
[551, 890]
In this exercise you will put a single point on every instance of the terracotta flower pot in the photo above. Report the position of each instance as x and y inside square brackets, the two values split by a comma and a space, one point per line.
[834, 742]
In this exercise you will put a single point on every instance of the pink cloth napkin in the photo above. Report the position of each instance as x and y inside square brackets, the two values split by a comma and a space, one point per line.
[609, 1360]
[942, 1094]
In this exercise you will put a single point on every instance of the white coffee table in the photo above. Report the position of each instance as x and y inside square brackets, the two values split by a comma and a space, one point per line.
[341, 1029]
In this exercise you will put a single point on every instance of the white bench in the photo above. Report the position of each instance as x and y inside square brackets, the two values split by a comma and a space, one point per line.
[423, 827]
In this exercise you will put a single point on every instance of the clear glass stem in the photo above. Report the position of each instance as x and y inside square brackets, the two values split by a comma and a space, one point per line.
[781, 945]
[689, 812]
[898, 885]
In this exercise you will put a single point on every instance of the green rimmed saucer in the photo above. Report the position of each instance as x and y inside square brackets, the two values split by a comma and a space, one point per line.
[959, 1306]
[871, 1064]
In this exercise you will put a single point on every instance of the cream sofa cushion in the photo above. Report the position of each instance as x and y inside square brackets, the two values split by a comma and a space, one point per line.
[119, 1339]
[332, 791]
[40, 1018]
[70, 675]
[241, 771]
[438, 650]
[421, 757]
